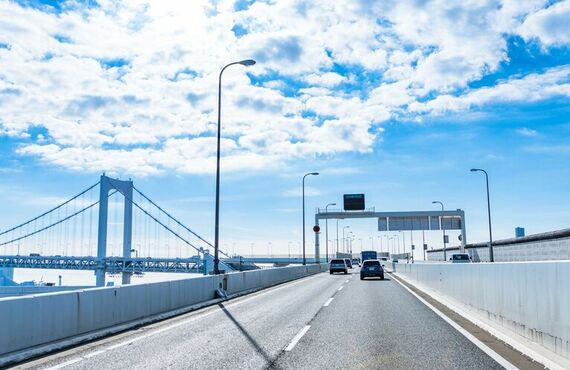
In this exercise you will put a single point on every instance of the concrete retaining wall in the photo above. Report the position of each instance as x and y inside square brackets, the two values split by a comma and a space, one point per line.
[39, 319]
[532, 299]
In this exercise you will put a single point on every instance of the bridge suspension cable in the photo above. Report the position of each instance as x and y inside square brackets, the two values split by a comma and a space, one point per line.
[53, 224]
[155, 219]
[175, 220]
[50, 211]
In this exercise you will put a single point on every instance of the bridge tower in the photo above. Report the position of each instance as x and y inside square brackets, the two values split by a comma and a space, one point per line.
[126, 189]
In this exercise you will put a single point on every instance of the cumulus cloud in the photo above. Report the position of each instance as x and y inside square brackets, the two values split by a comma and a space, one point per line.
[132, 86]
[549, 25]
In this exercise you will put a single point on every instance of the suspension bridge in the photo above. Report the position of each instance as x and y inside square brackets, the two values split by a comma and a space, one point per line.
[100, 228]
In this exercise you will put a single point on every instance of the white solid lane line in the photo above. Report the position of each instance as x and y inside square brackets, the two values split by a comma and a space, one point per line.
[67, 363]
[328, 302]
[339, 289]
[494, 355]
[297, 338]
[346, 281]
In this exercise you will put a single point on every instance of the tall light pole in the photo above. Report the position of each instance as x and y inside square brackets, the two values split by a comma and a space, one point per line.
[442, 228]
[327, 230]
[343, 247]
[336, 236]
[398, 237]
[307, 174]
[247, 63]
[491, 258]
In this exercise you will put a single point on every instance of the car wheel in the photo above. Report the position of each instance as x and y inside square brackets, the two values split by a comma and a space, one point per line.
[345, 272]
[361, 278]
[330, 272]
[382, 277]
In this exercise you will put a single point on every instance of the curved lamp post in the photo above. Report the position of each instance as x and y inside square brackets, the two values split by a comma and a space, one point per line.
[343, 239]
[327, 230]
[491, 257]
[307, 174]
[443, 229]
[247, 63]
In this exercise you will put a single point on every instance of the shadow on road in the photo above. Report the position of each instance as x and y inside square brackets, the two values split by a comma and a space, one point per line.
[270, 361]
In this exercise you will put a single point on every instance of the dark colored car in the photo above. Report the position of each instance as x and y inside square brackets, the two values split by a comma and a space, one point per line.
[348, 262]
[338, 265]
[371, 268]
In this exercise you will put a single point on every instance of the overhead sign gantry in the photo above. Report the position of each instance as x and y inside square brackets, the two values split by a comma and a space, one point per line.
[401, 221]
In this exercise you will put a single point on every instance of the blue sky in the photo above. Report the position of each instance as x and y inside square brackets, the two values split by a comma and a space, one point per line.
[397, 100]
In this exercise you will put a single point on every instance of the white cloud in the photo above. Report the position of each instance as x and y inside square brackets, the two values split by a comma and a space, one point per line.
[131, 87]
[298, 192]
[329, 79]
[525, 131]
[549, 25]
[555, 82]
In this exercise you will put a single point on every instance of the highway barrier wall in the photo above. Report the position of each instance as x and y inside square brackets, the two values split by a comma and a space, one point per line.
[531, 299]
[550, 246]
[19, 290]
[37, 320]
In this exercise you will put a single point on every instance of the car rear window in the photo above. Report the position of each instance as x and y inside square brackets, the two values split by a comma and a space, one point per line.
[460, 257]
[371, 263]
[337, 261]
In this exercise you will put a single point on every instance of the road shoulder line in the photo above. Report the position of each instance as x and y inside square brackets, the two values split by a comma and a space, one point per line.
[491, 353]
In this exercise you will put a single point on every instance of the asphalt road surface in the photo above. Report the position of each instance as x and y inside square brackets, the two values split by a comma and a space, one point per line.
[366, 325]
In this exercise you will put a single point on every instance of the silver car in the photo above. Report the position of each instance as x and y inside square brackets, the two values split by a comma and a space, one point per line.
[338, 265]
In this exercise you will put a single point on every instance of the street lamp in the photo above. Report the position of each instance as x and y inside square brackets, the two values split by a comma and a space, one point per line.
[307, 174]
[136, 252]
[398, 237]
[343, 247]
[336, 236]
[491, 258]
[327, 230]
[247, 63]
[442, 228]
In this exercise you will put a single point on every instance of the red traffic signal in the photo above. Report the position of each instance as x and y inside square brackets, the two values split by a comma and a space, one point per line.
[316, 228]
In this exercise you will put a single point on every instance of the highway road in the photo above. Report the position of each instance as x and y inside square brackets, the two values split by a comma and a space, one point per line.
[320, 322]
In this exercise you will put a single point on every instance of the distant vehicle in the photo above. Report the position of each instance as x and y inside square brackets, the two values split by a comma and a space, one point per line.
[348, 262]
[460, 258]
[371, 268]
[369, 255]
[356, 261]
[338, 265]
[34, 254]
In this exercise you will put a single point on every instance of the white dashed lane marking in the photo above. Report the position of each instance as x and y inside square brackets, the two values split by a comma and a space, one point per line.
[297, 338]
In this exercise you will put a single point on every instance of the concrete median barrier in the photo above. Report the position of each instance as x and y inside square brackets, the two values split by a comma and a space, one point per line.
[530, 299]
[31, 322]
